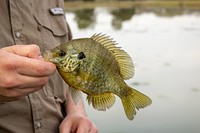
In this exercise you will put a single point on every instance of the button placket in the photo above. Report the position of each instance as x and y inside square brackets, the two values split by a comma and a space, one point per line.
[16, 23]
[36, 113]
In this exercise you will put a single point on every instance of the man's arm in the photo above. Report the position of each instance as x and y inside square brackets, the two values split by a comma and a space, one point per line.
[76, 120]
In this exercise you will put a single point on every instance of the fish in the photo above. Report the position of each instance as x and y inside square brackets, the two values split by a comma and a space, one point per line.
[97, 67]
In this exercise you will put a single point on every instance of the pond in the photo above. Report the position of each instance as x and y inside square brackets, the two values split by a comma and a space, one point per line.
[165, 48]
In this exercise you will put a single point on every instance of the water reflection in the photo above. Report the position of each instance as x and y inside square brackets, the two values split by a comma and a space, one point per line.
[166, 55]
[85, 18]
[121, 15]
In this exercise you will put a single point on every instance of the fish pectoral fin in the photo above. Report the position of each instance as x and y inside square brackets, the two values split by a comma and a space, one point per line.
[102, 101]
[75, 94]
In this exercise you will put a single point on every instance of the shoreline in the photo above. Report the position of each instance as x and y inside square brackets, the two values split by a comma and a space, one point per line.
[188, 4]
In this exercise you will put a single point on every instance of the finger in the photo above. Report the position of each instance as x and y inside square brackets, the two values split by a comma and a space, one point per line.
[28, 66]
[82, 130]
[31, 82]
[31, 51]
[93, 129]
[16, 80]
[8, 99]
[84, 127]
[34, 67]
[65, 130]
[65, 127]
[16, 93]
[23, 92]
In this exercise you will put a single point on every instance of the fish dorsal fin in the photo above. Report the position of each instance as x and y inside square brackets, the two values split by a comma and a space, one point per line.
[102, 101]
[124, 60]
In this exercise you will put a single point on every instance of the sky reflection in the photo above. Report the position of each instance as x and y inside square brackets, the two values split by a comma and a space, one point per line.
[166, 54]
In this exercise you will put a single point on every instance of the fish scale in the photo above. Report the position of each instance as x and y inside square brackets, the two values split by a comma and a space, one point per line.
[96, 73]
[100, 73]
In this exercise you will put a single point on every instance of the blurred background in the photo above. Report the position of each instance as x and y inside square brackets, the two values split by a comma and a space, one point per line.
[163, 38]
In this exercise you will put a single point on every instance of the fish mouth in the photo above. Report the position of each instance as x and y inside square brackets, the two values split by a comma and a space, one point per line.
[50, 57]
[47, 55]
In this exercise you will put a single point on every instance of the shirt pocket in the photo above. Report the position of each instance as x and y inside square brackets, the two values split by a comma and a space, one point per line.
[55, 23]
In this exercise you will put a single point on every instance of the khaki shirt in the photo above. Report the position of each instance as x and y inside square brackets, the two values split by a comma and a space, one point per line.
[30, 22]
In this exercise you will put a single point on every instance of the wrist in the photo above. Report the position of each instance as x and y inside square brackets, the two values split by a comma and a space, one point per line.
[72, 108]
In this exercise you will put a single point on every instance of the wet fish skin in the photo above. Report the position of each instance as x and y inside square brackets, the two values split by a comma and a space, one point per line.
[100, 72]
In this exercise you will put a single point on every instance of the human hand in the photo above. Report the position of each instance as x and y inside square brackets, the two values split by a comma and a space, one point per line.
[22, 71]
[77, 123]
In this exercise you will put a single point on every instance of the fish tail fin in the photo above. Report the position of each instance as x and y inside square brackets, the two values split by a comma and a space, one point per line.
[134, 100]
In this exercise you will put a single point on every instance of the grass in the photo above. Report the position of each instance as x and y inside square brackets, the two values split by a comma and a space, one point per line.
[190, 4]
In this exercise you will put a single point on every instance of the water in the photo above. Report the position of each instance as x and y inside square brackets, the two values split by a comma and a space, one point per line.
[166, 54]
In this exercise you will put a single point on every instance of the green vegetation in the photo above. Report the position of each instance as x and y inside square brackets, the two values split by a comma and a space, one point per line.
[124, 10]
[75, 5]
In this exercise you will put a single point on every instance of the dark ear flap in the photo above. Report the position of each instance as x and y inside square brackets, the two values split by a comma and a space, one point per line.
[81, 55]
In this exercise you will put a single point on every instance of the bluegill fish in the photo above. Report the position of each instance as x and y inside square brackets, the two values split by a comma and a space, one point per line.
[97, 67]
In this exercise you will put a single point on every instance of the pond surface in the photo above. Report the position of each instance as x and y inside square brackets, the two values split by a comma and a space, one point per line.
[166, 53]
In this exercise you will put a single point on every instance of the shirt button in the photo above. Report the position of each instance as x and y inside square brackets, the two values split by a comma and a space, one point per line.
[18, 34]
[39, 125]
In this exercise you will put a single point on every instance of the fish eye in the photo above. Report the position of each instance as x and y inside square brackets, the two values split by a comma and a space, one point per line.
[62, 53]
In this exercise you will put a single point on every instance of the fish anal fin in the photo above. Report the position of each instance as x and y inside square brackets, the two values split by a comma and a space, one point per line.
[75, 94]
[102, 101]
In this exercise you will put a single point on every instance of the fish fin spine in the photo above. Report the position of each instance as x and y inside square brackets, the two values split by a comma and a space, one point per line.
[134, 100]
[124, 60]
[101, 102]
